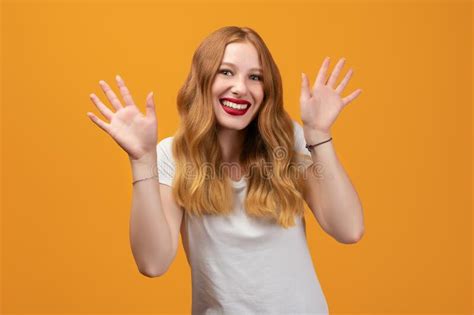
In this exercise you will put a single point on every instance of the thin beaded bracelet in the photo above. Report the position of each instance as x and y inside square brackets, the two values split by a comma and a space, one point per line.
[139, 180]
[309, 147]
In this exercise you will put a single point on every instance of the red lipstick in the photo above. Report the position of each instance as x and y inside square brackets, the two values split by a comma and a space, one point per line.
[235, 100]
[234, 111]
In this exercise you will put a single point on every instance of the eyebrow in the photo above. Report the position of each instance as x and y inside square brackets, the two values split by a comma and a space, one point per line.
[231, 64]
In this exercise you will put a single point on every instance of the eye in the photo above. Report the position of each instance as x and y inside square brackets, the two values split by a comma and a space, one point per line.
[256, 76]
[259, 78]
[223, 71]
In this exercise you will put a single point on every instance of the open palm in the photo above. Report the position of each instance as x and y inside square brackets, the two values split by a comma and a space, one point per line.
[133, 131]
[321, 104]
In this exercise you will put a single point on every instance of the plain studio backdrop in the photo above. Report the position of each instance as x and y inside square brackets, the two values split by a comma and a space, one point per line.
[405, 142]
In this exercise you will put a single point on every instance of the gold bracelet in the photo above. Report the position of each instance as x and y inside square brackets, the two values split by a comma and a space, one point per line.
[139, 180]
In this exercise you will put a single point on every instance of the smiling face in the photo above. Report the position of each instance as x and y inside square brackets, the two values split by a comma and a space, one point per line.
[237, 90]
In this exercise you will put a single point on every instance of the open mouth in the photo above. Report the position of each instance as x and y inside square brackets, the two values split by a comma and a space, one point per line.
[233, 108]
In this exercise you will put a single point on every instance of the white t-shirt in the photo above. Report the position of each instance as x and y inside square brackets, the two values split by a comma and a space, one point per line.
[241, 265]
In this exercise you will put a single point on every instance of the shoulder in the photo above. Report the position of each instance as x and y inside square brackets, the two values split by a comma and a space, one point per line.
[164, 149]
[300, 142]
[165, 144]
[297, 130]
[166, 141]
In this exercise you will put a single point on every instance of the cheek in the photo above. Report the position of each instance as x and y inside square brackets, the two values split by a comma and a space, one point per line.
[217, 86]
[259, 94]
[214, 89]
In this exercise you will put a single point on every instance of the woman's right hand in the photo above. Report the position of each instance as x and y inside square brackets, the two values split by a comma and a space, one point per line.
[134, 132]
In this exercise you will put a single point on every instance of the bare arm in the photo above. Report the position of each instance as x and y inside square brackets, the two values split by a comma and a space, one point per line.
[150, 235]
[155, 217]
[330, 194]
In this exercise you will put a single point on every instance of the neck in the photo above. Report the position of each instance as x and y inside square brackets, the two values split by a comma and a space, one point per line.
[231, 142]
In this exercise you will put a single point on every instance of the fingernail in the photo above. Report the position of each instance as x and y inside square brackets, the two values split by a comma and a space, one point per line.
[101, 82]
[118, 78]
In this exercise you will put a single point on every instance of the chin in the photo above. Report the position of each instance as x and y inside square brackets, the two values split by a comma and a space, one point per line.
[227, 121]
[233, 124]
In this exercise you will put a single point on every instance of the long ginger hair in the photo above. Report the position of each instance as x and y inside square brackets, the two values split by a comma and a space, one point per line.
[275, 180]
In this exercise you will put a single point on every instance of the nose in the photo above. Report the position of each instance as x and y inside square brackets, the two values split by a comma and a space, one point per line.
[239, 86]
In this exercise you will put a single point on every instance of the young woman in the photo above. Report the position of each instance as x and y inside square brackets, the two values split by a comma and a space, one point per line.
[234, 178]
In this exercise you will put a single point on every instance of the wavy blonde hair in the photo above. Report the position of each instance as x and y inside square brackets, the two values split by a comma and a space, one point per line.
[201, 185]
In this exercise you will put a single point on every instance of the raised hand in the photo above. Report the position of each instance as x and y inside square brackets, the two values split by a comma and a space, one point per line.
[321, 105]
[134, 132]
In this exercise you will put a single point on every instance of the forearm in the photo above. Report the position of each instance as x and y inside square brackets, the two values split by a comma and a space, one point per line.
[150, 236]
[337, 200]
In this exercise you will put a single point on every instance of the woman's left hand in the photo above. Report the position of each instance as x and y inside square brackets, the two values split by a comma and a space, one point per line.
[321, 105]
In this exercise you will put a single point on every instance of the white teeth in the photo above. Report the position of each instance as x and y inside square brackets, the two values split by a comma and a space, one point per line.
[233, 105]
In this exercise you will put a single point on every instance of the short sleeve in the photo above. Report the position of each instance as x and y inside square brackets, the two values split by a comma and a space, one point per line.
[166, 165]
[300, 142]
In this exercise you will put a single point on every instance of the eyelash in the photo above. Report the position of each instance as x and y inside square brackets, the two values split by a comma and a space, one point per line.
[255, 75]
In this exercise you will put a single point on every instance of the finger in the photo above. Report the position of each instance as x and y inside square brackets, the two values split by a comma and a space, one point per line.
[305, 92]
[344, 82]
[335, 72]
[104, 126]
[124, 91]
[110, 95]
[101, 107]
[150, 106]
[321, 78]
[346, 100]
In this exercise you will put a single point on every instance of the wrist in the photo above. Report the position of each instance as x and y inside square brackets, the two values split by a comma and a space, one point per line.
[313, 136]
[145, 159]
[143, 168]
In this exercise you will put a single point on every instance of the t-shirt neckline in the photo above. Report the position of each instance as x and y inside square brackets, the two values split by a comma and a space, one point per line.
[239, 183]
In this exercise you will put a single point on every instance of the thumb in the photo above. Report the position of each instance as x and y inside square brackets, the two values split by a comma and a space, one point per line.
[305, 93]
[150, 105]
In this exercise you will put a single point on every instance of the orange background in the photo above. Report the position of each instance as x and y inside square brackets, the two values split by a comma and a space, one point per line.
[406, 143]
